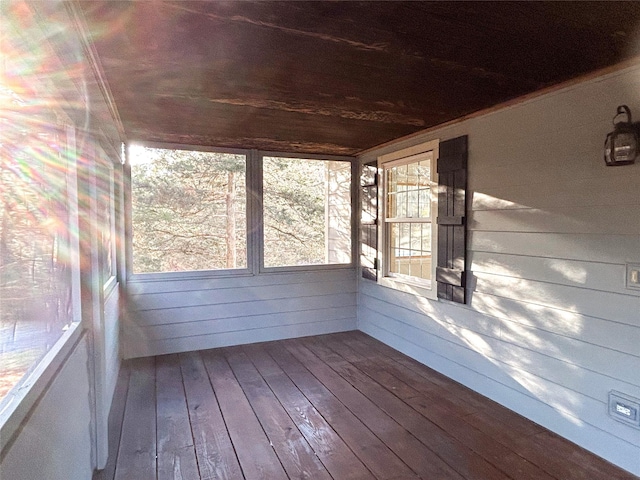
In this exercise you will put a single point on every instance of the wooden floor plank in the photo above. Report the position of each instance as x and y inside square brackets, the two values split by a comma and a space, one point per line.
[338, 406]
[426, 380]
[176, 451]
[526, 438]
[295, 453]
[568, 461]
[336, 456]
[254, 450]
[378, 458]
[137, 453]
[461, 458]
[408, 448]
[490, 449]
[214, 450]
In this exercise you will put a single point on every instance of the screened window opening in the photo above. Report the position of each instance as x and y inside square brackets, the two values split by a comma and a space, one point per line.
[409, 217]
[307, 212]
[37, 250]
[188, 210]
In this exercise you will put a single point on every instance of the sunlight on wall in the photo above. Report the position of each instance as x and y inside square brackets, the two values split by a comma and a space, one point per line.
[488, 202]
[512, 362]
[571, 272]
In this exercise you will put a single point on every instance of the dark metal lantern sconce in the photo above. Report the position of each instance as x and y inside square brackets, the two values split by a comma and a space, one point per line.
[621, 145]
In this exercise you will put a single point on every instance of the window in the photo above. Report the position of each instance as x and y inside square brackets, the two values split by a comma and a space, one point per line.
[38, 251]
[410, 208]
[188, 210]
[307, 211]
[105, 185]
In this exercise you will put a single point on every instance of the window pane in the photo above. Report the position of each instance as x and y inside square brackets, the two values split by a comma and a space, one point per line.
[412, 204]
[35, 246]
[424, 201]
[405, 235]
[409, 190]
[307, 212]
[424, 172]
[426, 238]
[188, 210]
[401, 176]
[410, 249]
[401, 202]
[392, 188]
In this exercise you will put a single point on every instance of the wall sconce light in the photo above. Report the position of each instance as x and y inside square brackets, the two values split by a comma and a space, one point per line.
[621, 145]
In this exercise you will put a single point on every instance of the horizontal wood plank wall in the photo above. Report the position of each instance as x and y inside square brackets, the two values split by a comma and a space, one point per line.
[191, 314]
[550, 328]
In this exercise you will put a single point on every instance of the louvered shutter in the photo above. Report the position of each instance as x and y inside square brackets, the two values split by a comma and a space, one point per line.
[452, 181]
[369, 221]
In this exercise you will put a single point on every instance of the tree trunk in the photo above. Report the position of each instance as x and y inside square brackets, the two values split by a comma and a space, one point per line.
[231, 220]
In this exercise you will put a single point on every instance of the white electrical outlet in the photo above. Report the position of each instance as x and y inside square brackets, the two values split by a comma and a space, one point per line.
[633, 276]
[624, 408]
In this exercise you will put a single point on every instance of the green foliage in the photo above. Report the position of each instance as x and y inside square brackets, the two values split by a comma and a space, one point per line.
[294, 211]
[188, 216]
[180, 203]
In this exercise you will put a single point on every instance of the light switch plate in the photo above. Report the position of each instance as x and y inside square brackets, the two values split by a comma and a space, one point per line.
[633, 276]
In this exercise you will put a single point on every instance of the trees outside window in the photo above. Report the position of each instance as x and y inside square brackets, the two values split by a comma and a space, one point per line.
[35, 247]
[307, 212]
[188, 210]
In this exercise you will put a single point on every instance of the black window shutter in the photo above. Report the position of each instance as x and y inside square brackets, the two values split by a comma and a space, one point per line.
[452, 242]
[369, 221]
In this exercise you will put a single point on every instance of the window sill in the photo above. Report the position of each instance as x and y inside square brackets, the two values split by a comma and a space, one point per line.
[110, 286]
[420, 289]
[307, 268]
[17, 406]
[189, 275]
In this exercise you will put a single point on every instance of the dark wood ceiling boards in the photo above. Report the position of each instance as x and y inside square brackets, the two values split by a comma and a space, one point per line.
[338, 77]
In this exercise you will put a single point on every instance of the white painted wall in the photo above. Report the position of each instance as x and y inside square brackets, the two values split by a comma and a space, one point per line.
[106, 364]
[550, 328]
[183, 314]
[55, 440]
[112, 344]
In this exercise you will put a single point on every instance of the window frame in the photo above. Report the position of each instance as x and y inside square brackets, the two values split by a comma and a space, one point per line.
[254, 212]
[353, 221]
[250, 207]
[423, 287]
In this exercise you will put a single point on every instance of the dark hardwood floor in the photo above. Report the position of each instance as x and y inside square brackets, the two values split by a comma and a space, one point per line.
[341, 406]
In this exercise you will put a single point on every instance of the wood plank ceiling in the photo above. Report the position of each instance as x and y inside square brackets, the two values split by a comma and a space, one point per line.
[338, 77]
